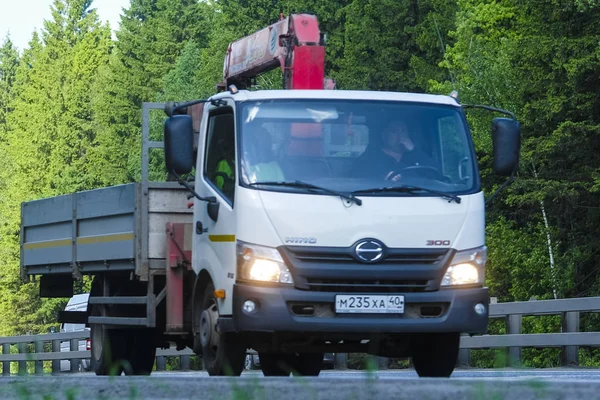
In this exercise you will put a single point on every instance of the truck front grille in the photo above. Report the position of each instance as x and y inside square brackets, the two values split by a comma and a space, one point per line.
[340, 270]
[366, 285]
[344, 255]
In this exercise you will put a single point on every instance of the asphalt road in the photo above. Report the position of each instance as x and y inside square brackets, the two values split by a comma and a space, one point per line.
[580, 384]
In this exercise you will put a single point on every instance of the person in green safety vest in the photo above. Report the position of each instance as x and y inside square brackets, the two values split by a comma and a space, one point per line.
[261, 164]
[224, 173]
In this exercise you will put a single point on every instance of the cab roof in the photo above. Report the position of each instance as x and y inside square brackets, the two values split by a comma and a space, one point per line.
[246, 95]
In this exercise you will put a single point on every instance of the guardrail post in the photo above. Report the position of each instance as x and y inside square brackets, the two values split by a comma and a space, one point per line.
[6, 364]
[514, 327]
[184, 363]
[22, 364]
[341, 361]
[382, 363]
[161, 363]
[39, 365]
[570, 323]
[464, 358]
[74, 346]
[56, 363]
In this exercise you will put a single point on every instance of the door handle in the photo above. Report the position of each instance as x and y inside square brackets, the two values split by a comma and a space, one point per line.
[200, 229]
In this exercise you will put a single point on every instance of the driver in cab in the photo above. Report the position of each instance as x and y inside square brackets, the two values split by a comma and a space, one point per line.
[398, 151]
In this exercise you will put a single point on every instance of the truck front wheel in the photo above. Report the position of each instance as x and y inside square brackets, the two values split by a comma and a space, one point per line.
[276, 364]
[282, 364]
[223, 353]
[434, 354]
[309, 364]
[142, 351]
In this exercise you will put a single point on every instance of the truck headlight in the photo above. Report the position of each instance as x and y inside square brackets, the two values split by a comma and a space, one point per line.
[261, 264]
[467, 268]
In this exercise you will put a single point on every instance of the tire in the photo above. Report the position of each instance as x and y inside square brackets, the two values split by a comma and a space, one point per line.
[142, 351]
[308, 364]
[223, 353]
[434, 355]
[276, 364]
[107, 348]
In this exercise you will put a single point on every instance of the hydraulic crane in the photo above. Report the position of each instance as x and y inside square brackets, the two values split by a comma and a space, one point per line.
[294, 43]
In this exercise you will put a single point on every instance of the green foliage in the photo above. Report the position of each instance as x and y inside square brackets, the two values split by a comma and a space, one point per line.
[394, 45]
[522, 272]
[9, 60]
[49, 132]
[183, 81]
[151, 37]
[525, 57]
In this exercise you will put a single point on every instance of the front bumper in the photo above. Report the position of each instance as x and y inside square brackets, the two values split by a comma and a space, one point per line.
[275, 312]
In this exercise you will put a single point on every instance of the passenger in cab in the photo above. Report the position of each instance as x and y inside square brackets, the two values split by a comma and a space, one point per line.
[260, 162]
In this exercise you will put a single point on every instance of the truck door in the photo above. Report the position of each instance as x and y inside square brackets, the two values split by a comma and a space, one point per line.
[218, 176]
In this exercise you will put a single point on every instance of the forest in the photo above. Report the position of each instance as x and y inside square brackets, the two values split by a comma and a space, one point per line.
[70, 115]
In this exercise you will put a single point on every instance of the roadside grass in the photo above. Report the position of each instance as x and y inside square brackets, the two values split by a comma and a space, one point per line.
[484, 391]
[256, 388]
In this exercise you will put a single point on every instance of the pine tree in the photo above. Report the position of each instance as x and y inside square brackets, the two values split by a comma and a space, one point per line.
[49, 133]
[152, 35]
[183, 81]
[394, 45]
[541, 62]
[9, 60]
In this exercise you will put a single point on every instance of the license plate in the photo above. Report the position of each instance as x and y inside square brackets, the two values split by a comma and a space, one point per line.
[388, 304]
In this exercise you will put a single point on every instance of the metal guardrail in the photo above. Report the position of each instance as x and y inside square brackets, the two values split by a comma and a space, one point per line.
[569, 339]
[41, 343]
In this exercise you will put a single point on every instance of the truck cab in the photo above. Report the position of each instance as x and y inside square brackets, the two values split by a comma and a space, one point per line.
[335, 220]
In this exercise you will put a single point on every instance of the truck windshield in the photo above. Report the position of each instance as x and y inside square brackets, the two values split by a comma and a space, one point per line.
[351, 146]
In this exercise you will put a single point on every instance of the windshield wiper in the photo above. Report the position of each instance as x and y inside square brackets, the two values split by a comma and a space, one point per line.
[306, 185]
[409, 189]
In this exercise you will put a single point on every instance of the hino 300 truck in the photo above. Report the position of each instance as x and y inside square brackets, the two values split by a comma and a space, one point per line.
[293, 222]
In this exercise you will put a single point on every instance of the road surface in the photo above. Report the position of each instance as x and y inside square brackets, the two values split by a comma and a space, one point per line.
[580, 384]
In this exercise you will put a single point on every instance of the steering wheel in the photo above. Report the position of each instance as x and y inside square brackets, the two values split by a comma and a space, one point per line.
[428, 171]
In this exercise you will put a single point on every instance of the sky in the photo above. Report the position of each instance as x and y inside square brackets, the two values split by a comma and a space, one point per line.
[21, 17]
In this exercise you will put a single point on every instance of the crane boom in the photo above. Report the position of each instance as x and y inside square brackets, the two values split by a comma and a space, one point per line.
[294, 43]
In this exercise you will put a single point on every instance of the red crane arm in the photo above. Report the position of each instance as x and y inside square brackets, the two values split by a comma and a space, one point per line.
[294, 43]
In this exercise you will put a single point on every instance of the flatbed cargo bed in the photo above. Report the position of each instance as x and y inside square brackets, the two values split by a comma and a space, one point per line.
[112, 229]
[108, 229]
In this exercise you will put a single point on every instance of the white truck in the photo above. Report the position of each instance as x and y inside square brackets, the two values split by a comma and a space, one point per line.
[321, 221]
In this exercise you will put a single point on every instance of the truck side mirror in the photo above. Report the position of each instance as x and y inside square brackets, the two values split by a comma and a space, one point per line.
[506, 141]
[212, 208]
[179, 144]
